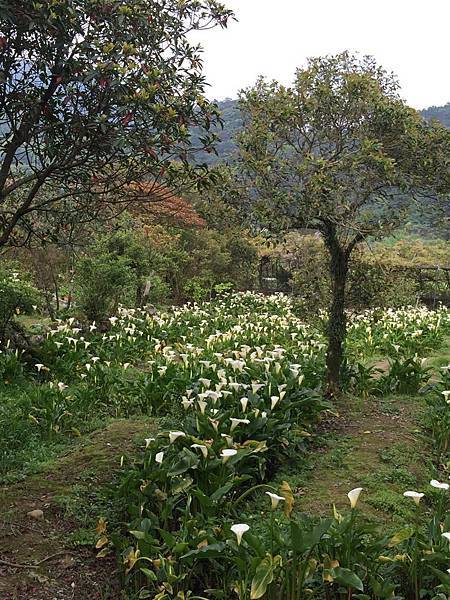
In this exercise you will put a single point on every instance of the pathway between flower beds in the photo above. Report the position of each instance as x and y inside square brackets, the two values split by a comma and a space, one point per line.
[376, 444]
[61, 540]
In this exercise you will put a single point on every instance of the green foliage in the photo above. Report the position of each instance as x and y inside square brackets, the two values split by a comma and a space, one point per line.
[117, 270]
[17, 295]
[107, 95]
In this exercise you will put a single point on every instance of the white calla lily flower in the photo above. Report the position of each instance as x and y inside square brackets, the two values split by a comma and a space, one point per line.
[236, 422]
[159, 457]
[275, 499]
[274, 401]
[202, 448]
[227, 453]
[239, 529]
[174, 435]
[438, 485]
[353, 496]
[244, 402]
[416, 496]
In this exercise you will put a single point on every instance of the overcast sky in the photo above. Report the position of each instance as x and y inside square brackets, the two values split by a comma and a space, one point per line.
[273, 37]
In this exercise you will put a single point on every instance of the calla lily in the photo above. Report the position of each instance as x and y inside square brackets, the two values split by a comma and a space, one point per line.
[416, 496]
[353, 496]
[148, 441]
[173, 435]
[275, 498]
[446, 535]
[227, 453]
[187, 403]
[440, 486]
[202, 405]
[244, 402]
[274, 401]
[236, 422]
[202, 448]
[445, 393]
[39, 367]
[239, 529]
[159, 457]
[256, 387]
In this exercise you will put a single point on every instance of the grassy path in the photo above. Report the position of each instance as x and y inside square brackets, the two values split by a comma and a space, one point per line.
[377, 445]
[71, 495]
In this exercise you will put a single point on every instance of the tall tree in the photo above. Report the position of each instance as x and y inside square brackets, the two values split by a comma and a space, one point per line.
[338, 152]
[95, 94]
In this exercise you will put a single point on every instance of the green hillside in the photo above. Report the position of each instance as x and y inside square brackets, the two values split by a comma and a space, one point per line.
[232, 122]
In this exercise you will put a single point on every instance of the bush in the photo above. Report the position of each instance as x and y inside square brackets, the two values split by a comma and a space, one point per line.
[17, 296]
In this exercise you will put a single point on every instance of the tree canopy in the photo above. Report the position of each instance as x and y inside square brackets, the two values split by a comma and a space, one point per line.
[341, 153]
[95, 94]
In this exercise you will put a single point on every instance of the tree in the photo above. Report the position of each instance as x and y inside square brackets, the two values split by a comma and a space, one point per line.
[95, 94]
[338, 152]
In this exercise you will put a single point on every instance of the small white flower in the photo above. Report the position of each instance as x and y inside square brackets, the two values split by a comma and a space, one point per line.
[174, 435]
[125, 366]
[416, 496]
[353, 496]
[239, 529]
[159, 457]
[440, 486]
[446, 535]
[227, 453]
[148, 441]
[39, 367]
[446, 394]
[61, 386]
[275, 498]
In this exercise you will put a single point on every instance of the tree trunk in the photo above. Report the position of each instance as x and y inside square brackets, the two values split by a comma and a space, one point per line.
[337, 326]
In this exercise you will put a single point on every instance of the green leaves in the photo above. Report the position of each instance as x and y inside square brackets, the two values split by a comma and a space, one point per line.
[264, 576]
[188, 460]
[347, 578]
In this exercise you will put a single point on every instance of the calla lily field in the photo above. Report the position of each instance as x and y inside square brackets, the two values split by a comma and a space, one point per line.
[240, 381]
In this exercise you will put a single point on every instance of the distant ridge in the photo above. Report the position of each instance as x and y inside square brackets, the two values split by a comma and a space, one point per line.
[232, 123]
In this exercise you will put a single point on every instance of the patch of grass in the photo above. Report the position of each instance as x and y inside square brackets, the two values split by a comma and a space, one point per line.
[391, 503]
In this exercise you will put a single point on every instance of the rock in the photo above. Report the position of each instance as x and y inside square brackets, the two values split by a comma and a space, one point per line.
[36, 514]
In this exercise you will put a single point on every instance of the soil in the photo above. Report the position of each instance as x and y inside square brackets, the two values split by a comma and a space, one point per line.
[38, 560]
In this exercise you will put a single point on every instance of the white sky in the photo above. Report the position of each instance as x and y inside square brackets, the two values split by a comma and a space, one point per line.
[273, 37]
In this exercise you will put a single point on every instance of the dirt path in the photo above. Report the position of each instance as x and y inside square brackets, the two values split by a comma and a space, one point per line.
[69, 495]
[374, 444]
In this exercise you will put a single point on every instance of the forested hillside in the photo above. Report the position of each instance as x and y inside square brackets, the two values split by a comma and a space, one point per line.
[232, 122]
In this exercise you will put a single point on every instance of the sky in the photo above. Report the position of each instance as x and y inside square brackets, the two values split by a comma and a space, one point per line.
[274, 37]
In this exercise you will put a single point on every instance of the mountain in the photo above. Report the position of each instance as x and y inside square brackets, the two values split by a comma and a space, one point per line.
[232, 123]
[440, 113]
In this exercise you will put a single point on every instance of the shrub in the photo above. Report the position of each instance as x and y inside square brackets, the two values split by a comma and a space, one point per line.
[17, 295]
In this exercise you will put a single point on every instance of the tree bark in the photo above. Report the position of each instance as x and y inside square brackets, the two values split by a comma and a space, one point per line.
[337, 325]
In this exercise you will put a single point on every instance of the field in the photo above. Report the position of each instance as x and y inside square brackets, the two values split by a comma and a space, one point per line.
[193, 454]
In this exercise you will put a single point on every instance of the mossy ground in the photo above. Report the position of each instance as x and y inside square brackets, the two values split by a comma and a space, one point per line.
[374, 444]
[72, 492]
